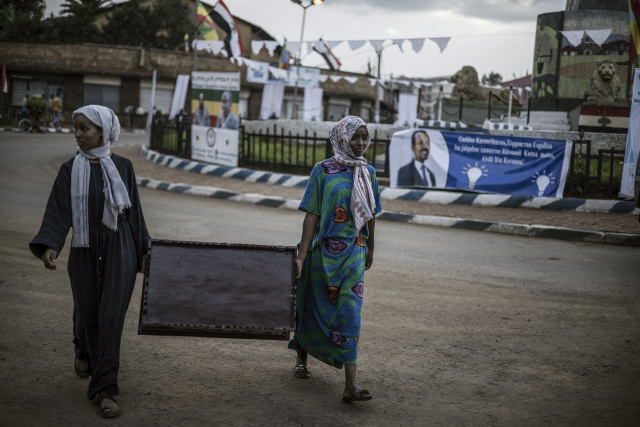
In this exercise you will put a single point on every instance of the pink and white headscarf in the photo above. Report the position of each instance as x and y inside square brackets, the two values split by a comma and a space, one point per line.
[363, 202]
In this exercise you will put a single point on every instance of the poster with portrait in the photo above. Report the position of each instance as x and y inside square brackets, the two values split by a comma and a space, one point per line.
[483, 163]
[215, 122]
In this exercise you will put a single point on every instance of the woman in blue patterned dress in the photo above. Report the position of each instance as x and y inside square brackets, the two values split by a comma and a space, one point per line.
[341, 200]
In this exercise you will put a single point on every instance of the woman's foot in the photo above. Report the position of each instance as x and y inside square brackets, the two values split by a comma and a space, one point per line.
[357, 395]
[108, 406]
[300, 370]
[81, 367]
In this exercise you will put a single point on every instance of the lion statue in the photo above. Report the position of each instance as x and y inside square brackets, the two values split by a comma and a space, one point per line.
[467, 83]
[605, 83]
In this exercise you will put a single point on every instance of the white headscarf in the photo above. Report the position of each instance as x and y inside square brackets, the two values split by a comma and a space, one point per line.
[116, 197]
[363, 202]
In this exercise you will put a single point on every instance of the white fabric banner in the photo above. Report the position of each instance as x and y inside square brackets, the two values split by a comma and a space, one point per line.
[179, 95]
[599, 36]
[256, 46]
[211, 46]
[152, 101]
[633, 141]
[573, 37]
[271, 106]
[312, 106]
[271, 46]
[407, 109]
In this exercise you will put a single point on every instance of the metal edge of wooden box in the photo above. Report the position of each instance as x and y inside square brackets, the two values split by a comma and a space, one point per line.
[226, 331]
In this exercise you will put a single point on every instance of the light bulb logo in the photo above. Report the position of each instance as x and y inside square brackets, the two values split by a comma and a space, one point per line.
[542, 181]
[474, 173]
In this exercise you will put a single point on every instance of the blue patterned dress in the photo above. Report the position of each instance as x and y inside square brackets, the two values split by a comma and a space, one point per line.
[330, 288]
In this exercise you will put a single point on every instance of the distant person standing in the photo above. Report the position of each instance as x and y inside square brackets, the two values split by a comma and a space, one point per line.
[201, 115]
[226, 119]
[57, 110]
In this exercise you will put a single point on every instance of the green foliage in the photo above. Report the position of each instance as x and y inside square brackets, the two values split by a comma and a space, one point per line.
[492, 79]
[75, 25]
[37, 107]
[130, 25]
[22, 20]
[162, 26]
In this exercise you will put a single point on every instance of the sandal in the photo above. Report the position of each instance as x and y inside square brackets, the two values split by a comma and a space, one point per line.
[361, 394]
[113, 412]
[302, 372]
[80, 372]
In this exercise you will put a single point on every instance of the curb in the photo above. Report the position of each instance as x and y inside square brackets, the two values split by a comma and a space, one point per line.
[422, 196]
[542, 231]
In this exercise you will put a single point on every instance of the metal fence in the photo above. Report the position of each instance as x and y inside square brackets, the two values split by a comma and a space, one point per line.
[594, 175]
[283, 151]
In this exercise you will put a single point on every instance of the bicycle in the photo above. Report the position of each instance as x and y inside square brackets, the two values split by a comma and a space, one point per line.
[26, 125]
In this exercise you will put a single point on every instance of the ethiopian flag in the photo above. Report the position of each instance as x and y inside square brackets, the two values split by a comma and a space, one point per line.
[634, 28]
[205, 24]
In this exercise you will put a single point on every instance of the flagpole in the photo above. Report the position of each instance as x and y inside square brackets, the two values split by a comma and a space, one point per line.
[195, 36]
[299, 60]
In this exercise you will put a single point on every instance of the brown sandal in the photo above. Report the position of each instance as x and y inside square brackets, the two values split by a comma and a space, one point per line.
[361, 394]
[80, 372]
[112, 413]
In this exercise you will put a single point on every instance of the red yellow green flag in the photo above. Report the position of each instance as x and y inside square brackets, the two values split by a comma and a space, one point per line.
[205, 24]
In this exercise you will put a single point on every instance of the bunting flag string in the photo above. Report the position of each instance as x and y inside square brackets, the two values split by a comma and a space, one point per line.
[598, 36]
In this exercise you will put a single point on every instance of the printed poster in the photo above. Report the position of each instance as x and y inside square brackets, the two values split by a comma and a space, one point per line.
[215, 122]
[483, 163]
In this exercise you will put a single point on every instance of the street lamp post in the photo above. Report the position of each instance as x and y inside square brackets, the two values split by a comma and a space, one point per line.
[299, 60]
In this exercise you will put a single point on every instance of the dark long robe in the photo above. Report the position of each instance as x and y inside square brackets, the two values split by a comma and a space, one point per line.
[103, 275]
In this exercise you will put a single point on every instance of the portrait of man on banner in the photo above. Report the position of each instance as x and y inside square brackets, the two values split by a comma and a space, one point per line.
[418, 158]
[201, 116]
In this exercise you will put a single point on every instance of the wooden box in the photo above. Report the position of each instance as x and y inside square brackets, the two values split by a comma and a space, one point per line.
[218, 290]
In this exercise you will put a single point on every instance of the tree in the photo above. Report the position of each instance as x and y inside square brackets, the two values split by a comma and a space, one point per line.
[75, 25]
[22, 20]
[162, 26]
[129, 25]
[492, 79]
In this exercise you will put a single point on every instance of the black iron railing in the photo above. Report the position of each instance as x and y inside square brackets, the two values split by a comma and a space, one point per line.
[594, 175]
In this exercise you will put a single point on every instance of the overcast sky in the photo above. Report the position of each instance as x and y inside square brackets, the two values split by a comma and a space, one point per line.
[491, 35]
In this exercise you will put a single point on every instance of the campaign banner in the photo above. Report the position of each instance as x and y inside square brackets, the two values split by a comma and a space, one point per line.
[214, 105]
[213, 145]
[633, 142]
[262, 72]
[483, 163]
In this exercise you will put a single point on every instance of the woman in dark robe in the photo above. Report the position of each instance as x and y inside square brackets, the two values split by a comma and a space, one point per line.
[96, 194]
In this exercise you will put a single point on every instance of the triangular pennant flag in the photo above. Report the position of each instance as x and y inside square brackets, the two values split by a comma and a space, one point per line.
[442, 42]
[599, 36]
[377, 44]
[335, 78]
[417, 44]
[373, 81]
[356, 44]
[399, 43]
[271, 46]
[319, 45]
[256, 46]
[293, 47]
[573, 37]
[323, 78]
[350, 79]
[333, 44]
